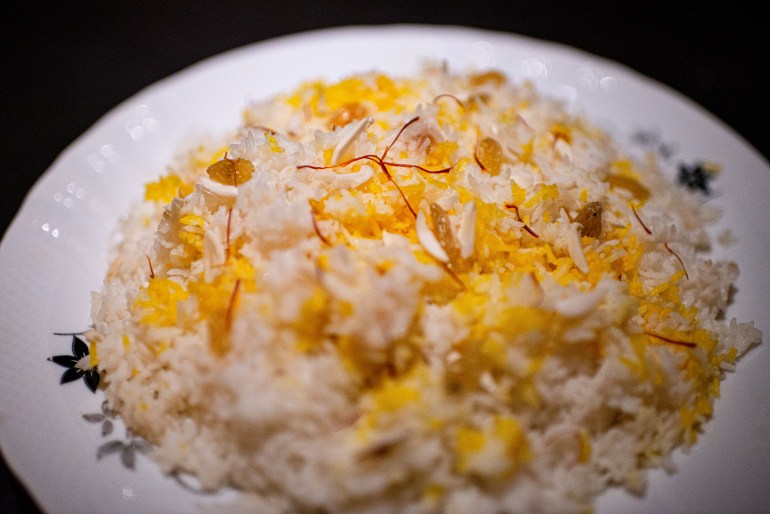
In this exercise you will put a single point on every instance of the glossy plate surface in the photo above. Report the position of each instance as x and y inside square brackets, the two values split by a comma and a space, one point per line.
[54, 254]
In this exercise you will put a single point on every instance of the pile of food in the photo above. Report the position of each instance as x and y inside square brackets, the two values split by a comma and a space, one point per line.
[436, 293]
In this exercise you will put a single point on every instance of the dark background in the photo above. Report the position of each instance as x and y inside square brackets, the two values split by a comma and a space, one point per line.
[66, 64]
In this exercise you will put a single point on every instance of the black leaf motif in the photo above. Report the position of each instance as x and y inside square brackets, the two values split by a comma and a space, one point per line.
[108, 448]
[64, 360]
[106, 410]
[142, 445]
[79, 347]
[71, 375]
[72, 362]
[127, 449]
[91, 378]
[127, 456]
[96, 417]
[103, 418]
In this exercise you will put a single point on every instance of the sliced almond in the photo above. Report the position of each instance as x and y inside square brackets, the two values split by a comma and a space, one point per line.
[467, 231]
[579, 304]
[222, 191]
[348, 137]
[213, 253]
[575, 247]
[563, 149]
[428, 240]
[529, 291]
[348, 180]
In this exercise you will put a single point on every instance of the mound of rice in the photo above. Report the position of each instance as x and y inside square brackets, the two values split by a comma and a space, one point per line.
[437, 293]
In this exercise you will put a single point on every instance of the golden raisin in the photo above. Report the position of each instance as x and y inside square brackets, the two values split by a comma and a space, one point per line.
[489, 155]
[347, 113]
[590, 217]
[494, 77]
[561, 132]
[231, 172]
[443, 230]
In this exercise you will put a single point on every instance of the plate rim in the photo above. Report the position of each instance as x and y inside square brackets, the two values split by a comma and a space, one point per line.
[380, 29]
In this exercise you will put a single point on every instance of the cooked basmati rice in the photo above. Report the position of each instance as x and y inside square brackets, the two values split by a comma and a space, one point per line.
[401, 295]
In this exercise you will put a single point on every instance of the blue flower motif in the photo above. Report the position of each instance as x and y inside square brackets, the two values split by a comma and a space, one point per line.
[104, 417]
[78, 364]
[696, 176]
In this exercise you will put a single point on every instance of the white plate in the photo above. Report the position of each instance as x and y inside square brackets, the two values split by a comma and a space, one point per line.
[54, 253]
